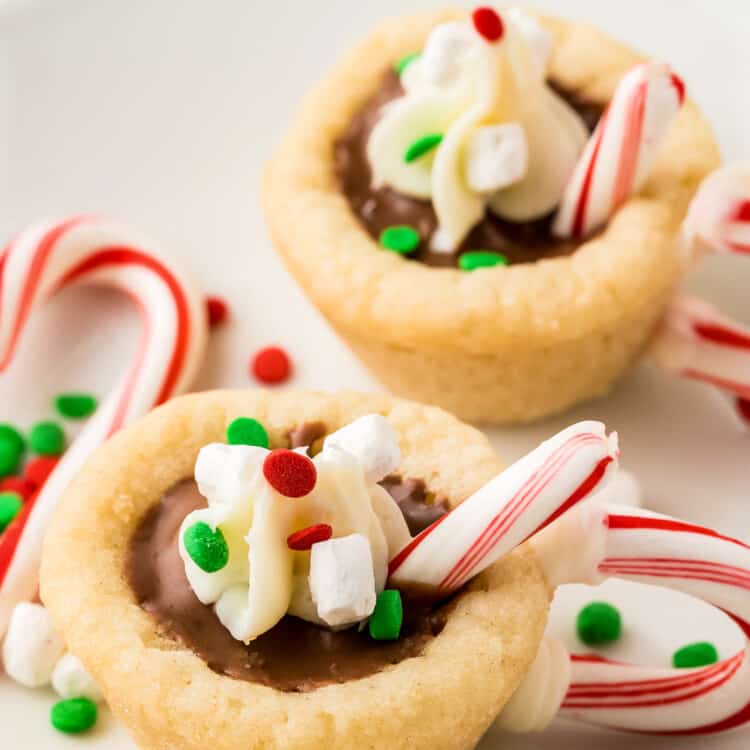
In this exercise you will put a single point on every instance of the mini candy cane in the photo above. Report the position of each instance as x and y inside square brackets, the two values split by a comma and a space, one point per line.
[658, 550]
[718, 220]
[619, 156]
[36, 265]
[508, 509]
[696, 341]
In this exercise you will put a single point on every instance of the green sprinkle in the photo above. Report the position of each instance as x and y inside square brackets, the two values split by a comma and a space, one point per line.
[9, 434]
[402, 64]
[247, 431]
[599, 623]
[387, 617]
[699, 654]
[75, 405]
[422, 146]
[74, 716]
[401, 239]
[481, 259]
[207, 547]
[10, 457]
[47, 439]
[10, 506]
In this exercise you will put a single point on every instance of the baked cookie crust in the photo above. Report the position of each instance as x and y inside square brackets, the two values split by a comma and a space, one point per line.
[498, 345]
[168, 697]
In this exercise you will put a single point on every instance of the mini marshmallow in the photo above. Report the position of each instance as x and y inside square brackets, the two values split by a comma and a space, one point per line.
[624, 489]
[71, 680]
[538, 39]
[342, 582]
[497, 157]
[444, 50]
[372, 441]
[32, 647]
[222, 469]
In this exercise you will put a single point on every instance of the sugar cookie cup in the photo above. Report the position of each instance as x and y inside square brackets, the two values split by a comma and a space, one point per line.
[497, 345]
[168, 697]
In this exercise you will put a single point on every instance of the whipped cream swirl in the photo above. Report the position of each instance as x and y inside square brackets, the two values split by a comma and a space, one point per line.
[504, 140]
[263, 578]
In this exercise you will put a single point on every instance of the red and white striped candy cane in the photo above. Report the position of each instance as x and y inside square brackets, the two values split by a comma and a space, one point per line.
[526, 497]
[621, 152]
[36, 265]
[696, 341]
[718, 220]
[593, 543]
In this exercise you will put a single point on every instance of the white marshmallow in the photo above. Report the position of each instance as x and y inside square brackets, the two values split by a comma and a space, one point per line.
[209, 466]
[445, 47]
[537, 39]
[497, 157]
[624, 489]
[71, 680]
[224, 471]
[372, 441]
[32, 647]
[342, 581]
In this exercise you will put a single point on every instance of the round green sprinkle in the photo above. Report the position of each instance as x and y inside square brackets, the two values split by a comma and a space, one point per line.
[9, 434]
[403, 63]
[74, 716]
[387, 617]
[247, 431]
[422, 146]
[207, 547]
[75, 405]
[10, 506]
[401, 239]
[481, 259]
[10, 457]
[599, 623]
[47, 439]
[699, 654]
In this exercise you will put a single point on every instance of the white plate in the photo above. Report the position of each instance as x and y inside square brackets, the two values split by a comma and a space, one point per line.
[162, 115]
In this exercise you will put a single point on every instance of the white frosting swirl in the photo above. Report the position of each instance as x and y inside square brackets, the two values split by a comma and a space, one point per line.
[264, 579]
[462, 87]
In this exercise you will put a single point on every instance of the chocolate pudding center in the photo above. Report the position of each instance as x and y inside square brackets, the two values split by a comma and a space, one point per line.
[380, 208]
[294, 656]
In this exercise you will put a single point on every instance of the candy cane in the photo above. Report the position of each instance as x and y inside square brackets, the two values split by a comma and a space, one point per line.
[593, 543]
[508, 509]
[718, 220]
[696, 341]
[33, 267]
[618, 158]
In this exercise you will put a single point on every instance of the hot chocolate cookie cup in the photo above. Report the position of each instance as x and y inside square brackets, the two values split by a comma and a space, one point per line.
[502, 344]
[168, 697]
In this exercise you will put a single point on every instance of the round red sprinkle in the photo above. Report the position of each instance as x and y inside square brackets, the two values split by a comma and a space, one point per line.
[20, 485]
[488, 24]
[39, 469]
[303, 540]
[290, 474]
[271, 365]
[218, 311]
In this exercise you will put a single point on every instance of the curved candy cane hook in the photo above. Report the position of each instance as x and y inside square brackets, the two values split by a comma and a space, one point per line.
[33, 267]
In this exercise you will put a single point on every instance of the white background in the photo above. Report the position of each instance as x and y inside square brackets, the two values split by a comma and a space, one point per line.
[161, 114]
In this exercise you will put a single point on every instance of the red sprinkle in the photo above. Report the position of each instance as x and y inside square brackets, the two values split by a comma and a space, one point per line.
[39, 469]
[304, 539]
[271, 365]
[290, 474]
[743, 406]
[20, 485]
[488, 24]
[679, 84]
[218, 311]
[742, 212]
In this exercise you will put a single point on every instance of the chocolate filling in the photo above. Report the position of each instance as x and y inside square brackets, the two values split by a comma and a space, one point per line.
[378, 209]
[294, 656]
